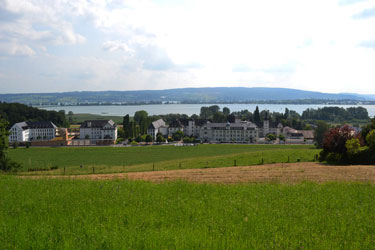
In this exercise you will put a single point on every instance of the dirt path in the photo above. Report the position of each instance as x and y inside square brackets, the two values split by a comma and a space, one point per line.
[282, 172]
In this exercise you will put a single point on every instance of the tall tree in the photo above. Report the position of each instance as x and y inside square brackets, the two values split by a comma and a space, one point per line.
[257, 116]
[132, 133]
[5, 163]
[231, 118]
[126, 126]
[286, 114]
[218, 117]
[226, 111]
[141, 119]
[319, 133]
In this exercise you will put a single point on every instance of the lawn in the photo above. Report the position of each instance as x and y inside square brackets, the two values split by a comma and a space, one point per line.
[122, 214]
[79, 118]
[130, 159]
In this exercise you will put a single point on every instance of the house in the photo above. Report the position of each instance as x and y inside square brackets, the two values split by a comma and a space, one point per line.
[175, 126]
[244, 132]
[32, 131]
[97, 130]
[298, 136]
[156, 127]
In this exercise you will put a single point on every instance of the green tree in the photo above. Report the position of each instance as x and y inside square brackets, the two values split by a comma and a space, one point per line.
[160, 138]
[218, 117]
[370, 139]
[148, 138]
[5, 163]
[281, 137]
[257, 116]
[321, 129]
[353, 146]
[141, 119]
[132, 132]
[126, 125]
[271, 137]
[231, 118]
[226, 111]
[286, 113]
[177, 136]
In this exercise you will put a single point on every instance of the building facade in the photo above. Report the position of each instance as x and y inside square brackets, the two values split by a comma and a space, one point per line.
[243, 132]
[32, 131]
[156, 127]
[98, 130]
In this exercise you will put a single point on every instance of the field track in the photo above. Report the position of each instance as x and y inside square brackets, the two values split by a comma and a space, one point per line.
[280, 173]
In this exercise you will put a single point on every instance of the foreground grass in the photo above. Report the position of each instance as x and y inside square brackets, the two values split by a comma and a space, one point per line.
[79, 214]
[130, 159]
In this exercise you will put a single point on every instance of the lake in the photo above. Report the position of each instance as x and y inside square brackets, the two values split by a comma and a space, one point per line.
[189, 109]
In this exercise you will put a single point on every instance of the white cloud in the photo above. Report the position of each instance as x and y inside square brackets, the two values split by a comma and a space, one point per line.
[9, 49]
[116, 46]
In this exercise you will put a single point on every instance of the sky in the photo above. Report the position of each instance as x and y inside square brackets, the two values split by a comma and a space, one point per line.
[76, 45]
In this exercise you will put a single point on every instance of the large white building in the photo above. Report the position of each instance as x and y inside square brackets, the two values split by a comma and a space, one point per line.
[98, 130]
[246, 132]
[32, 131]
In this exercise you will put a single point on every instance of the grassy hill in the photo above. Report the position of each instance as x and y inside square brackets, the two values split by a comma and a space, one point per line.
[186, 95]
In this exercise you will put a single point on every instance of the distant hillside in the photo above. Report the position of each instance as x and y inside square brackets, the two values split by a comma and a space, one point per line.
[184, 95]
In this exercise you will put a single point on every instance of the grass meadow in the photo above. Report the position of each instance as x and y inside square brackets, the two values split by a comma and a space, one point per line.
[123, 214]
[132, 159]
[78, 118]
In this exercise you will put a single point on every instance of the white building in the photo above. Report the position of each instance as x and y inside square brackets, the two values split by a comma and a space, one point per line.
[98, 130]
[246, 132]
[32, 131]
[156, 127]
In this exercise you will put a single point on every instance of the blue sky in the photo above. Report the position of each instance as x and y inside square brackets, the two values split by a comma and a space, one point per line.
[74, 45]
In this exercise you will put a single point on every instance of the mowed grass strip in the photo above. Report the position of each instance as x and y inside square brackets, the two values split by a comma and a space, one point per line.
[82, 214]
[131, 159]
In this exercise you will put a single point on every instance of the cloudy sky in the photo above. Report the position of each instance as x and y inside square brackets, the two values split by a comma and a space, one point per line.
[70, 45]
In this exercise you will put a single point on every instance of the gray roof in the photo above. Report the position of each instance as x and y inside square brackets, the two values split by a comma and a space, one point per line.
[157, 124]
[176, 124]
[36, 125]
[97, 123]
[231, 125]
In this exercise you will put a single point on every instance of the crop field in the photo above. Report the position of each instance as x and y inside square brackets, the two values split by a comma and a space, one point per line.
[89, 160]
[124, 214]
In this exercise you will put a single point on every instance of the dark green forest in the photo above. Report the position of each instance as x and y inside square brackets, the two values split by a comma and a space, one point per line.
[16, 112]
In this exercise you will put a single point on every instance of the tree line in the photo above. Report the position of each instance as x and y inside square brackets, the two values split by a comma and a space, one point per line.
[16, 112]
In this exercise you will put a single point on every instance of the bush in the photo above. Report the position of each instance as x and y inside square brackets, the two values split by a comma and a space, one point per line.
[370, 139]
[7, 164]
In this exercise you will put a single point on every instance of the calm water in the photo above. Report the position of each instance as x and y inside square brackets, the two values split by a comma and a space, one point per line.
[190, 109]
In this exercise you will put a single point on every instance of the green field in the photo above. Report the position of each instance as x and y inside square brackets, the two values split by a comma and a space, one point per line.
[130, 159]
[122, 214]
[78, 118]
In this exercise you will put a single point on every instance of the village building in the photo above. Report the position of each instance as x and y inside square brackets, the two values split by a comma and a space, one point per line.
[156, 127]
[243, 132]
[32, 131]
[175, 126]
[98, 130]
